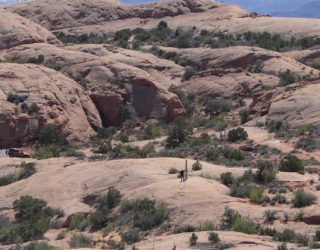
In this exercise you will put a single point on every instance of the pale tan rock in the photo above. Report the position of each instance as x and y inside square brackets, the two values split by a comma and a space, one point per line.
[143, 95]
[16, 30]
[61, 101]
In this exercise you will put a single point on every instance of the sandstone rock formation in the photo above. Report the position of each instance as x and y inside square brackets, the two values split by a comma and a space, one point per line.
[16, 30]
[107, 16]
[32, 96]
[133, 91]
[54, 15]
[297, 106]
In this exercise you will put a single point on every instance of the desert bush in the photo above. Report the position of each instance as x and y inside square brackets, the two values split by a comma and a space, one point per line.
[316, 65]
[244, 116]
[61, 235]
[189, 72]
[270, 216]
[38, 246]
[244, 225]
[25, 170]
[145, 213]
[184, 229]
[226, 179]
[109, 200]
[303, 198]
[274, 126]
[287, 77]
[193, 239]
[235, 154]
[216, 107]
[291, 163]
[256, 194]
[214, 238]
[78, 222]
[80, 241]
[131, 236]
[206, 225]
[197, 166]
[178, 133]
[151, 132]
[266, 171]
[238, 134]
[51, 134]
[32, 220]
[33, 109]
[229, 217]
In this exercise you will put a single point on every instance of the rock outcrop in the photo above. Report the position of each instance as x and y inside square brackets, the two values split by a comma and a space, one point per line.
[61, 14]
[32, 96]
[109, 16]
[16, 30]
[297, 106]
[108, 82]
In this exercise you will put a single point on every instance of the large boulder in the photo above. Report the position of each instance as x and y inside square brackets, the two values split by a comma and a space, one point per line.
[16, 30]
[32, 96]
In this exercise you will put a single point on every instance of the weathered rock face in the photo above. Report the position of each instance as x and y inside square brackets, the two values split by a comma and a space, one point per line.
[229, 83]
[108, 16]
[63, 13]
[16, 30]
[135, 89]
[248, 58]
[32, 96]
[298, 106]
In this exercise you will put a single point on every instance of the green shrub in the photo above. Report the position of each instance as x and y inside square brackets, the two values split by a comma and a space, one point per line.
[16, 98]
[38, 246]
[274, 126]
[244, 116]
[316, 65]
[266, 171]
[109, 200]
[256, 194]
[26, 170]
[151, 132]
[131, 236]
[287, 77]
[184, 229]
[291, 163]
[79, 222]
[51, 134]
[32, 220]
[193, 239]
[216, 107]
[244, 225]
[197, 166]
[214, 238]
[238, 134]
[303, 198]
[226, 179]
[178, 133]
[206, 225]
[234, 154]
[270, 215]
[61, 235]
[229, 217]
[189, 72]
[145, 214]
[80, 241]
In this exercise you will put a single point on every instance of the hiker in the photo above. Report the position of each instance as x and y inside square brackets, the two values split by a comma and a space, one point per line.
[182, 176]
